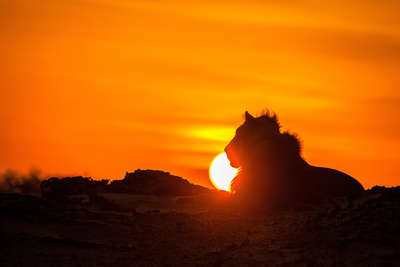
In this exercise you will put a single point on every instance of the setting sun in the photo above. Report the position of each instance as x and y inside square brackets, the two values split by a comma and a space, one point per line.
[221, 172]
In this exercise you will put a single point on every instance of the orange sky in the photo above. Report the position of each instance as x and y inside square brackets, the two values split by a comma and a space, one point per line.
[101, 87]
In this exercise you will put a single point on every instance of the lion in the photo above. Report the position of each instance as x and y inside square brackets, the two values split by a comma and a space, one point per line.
[272, 172]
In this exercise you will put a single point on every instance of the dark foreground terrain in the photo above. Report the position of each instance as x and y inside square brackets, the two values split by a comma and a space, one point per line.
[137, 230]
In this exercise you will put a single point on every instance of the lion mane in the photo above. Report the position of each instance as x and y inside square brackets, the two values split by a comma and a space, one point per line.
[272, 172]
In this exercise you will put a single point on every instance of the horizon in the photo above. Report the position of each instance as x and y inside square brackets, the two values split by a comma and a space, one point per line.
[99, 89]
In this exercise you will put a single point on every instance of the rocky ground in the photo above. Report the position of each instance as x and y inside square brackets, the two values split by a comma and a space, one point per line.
[129, 230]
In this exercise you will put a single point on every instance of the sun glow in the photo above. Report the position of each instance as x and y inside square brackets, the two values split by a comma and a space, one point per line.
[221, 172]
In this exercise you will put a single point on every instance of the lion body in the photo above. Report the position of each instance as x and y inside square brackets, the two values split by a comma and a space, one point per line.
[273, 174]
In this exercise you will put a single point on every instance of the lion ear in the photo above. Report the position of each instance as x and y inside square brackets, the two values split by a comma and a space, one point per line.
[250, 119]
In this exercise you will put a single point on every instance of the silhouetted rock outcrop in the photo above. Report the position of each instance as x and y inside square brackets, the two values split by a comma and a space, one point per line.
[71, 186]
[144, 182]
[151, 182]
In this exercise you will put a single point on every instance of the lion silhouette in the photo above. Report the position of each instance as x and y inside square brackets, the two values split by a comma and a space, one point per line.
[272, 172]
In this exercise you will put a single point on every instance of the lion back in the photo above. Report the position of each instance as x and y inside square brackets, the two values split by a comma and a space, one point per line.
[326, 182]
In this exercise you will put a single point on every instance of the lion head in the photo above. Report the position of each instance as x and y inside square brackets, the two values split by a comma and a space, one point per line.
[249, 135]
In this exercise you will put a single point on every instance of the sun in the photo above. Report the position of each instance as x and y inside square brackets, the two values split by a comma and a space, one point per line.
[221, 172]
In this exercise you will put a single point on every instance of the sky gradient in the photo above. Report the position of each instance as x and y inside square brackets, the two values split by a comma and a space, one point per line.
[98, 88]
